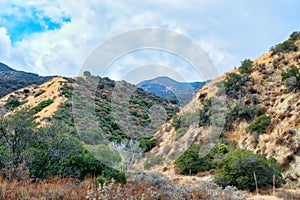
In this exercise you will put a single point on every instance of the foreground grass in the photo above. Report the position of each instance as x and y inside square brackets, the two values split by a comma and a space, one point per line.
[140, 186]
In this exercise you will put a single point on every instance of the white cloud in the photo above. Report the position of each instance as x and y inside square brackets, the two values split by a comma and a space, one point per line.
[5, 43]
[229, 32]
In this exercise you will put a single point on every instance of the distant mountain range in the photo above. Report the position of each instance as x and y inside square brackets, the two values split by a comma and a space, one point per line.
[165, 87]
[11, 79]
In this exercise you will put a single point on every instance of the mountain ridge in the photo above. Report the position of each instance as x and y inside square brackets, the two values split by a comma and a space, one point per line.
[174, 91]
[11, 79]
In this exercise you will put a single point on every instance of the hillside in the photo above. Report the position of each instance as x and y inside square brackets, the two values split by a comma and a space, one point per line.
[260, 103]
[11, 79]
[165, 87]
[52, 100]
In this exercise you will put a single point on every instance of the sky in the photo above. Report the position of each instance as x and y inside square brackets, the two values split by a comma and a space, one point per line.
[56, 37]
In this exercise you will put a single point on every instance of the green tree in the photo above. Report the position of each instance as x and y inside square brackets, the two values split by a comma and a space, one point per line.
[238, 168]
[16, 132]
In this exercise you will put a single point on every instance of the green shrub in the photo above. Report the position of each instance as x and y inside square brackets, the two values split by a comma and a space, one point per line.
[219, 149]
[147, 143]
[189, 161]
[176, 121]
[152, 161]
[246, 67]
[288, 45]
[39, 93]
[42, 105]
[203, 118]
[291, 72]
[233, 83]
[26, 91]
[259, 125]
[292, 78]
[185, 121]
[114, 174]
[12, 104]
[240, 112]
[238, 168]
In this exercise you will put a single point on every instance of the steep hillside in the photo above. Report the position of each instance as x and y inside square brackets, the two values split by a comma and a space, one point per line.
[31, 96]
[11, 80]
[261, 106]
[172, 90]
[53, 100]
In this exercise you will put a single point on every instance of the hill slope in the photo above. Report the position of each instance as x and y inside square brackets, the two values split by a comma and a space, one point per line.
[53, 100]
[246, 97]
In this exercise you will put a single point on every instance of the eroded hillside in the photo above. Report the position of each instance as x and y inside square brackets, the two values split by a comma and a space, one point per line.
[268, 90]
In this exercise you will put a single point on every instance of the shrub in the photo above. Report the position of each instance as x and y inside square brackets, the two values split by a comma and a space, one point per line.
[39, 93]
[292, 78]
[42, 105]
[288, 45]
[233, 83]
[147, 143]
[238, 168]
[185, 121]
[176, 121]
[12, 104]
[241, 112]
[291, 72]
[189, 161]
[259, 125]
[246, 67]
[115, 174]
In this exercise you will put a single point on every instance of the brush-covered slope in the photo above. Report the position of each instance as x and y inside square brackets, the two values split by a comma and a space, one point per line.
[54, 100]
[260, 103]
[11, 80]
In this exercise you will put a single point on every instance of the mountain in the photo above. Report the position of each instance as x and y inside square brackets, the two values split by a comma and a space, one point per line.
[255, 107]
[4, 67]
[165, 87]
[11, 79]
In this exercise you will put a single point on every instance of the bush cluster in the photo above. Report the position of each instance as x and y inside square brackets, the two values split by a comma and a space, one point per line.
[233, 83]
[39, 93]
[45, 152]
[292, 78]
[13, 103]
[259, 125]
[42, 105]
[238, 168]
[288, 45]
[191, 162]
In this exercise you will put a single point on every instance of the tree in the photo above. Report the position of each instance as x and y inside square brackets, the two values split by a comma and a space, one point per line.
[238, 168]
[16, 132]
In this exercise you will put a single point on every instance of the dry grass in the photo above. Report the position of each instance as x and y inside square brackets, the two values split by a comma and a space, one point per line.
[52, 189]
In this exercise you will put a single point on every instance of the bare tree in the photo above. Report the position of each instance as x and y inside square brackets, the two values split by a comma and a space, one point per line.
[129, 151]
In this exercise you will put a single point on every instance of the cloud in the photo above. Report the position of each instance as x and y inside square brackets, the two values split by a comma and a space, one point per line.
[5, 43]
[229, 32]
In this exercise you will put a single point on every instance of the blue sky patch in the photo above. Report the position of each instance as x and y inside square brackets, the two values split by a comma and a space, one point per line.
[26, 21]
